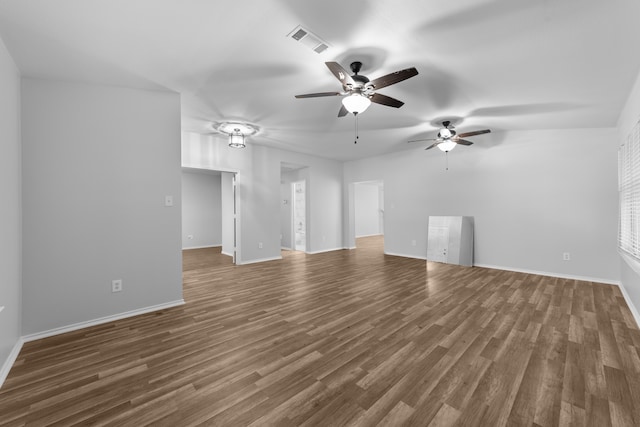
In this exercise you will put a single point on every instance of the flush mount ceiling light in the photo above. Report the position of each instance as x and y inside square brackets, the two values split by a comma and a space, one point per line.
[237, 132]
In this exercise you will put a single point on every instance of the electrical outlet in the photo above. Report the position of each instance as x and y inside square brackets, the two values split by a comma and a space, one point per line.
[413, 243]
[260, 245]
[168, 201]
[190, 236]
[116, 285]
[566, 256]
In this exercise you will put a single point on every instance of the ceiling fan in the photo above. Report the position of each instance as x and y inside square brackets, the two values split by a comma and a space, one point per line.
[358, 91]
[447, 137]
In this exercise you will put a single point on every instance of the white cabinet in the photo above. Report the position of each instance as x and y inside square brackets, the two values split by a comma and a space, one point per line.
[450, 239]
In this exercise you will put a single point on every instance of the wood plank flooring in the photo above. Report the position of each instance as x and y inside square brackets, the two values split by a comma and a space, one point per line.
[344, 338]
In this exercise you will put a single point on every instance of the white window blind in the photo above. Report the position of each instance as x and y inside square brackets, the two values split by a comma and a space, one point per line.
[629, 188]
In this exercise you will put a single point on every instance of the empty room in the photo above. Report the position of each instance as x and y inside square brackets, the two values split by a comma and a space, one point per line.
[297, 213]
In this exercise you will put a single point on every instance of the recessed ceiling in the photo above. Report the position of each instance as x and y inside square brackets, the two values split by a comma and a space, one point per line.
[503, 65]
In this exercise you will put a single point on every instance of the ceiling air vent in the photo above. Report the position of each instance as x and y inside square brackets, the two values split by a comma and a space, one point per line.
[308, 39]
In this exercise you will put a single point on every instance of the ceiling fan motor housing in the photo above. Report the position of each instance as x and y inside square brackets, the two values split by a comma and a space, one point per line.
[446, 133]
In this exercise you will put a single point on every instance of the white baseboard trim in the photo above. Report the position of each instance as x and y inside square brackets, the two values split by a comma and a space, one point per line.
[370, 235]
[546, 273]
[405, 255]
[226, 253]
[8, 364]
[255, 261]
[632, 308]
[200, 247]
[99, 321]
[324, 251]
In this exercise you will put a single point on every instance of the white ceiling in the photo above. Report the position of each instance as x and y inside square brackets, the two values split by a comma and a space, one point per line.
[503, 64]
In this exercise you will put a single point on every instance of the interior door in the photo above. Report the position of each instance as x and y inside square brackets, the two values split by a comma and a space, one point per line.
[235, 219]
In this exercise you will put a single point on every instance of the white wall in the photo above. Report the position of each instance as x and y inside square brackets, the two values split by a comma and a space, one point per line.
[367, 209]
[630, 272]
[533, 194]
[10, 212]
[201, 210]
[259, 193]
[97, 164]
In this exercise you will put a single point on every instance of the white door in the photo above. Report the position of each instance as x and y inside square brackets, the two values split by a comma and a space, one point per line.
[235, 219]
[438, 243]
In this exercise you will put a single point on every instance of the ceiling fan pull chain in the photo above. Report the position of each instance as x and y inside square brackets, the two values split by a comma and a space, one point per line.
[357, 136]
[446, 159]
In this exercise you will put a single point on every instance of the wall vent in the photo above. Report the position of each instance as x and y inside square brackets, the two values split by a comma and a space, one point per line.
[308, 39]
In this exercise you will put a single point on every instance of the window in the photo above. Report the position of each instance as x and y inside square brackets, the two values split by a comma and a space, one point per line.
[629, 188]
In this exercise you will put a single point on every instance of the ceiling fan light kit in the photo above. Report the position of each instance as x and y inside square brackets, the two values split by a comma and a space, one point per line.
[447, 146]
[356, 103]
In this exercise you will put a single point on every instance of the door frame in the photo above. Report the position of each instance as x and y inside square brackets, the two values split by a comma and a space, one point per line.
[237, 218]
[351, 210]
[293, 208]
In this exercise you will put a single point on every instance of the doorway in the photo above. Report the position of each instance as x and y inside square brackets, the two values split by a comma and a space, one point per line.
[210, 212]
[368, 210]
[299, 215]
[294, 215]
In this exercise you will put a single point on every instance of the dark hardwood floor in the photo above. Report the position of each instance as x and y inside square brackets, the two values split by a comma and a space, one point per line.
[344, 338]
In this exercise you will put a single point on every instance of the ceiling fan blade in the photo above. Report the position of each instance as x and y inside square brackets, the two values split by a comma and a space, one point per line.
[343, 111]
[463, 142]
[475, 132]
[432, 145]
[421, 140]
[378, 98]
[393, 78]
[319, 94]
[340, 73]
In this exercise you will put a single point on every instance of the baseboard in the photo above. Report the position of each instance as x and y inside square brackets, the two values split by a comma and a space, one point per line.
[226, 253]
[405, 255]
[201, 247]
[99, 321]
[8, 364]
[632, 308]
[324, 251]
[369, 235]
[255, 261]
[546, 273]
